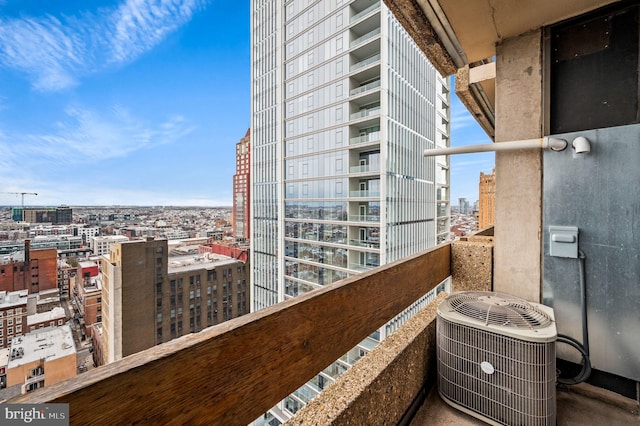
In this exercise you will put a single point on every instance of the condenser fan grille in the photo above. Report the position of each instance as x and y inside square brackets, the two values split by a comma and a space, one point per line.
[498, 309]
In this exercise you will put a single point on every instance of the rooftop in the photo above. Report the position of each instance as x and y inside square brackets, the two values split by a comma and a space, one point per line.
[194, 262]
[87, 264]
[54, 314]
[47, 343]
[13, 298]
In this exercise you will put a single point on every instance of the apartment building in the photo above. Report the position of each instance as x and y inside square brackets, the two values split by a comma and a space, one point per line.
[344, 105]
[149, 298]
[33, 270]
[102, 245]
[13, 315]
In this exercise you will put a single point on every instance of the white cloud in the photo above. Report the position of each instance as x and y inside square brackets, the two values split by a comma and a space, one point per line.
[139, 25]
[89, 134]
[55, 52]
[83, 139]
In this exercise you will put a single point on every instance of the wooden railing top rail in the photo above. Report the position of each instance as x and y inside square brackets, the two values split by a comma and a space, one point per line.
[233, 372]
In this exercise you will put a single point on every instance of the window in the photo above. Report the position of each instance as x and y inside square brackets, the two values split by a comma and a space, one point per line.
[18, 329]
[10, 330]
[10, 321]
[99, 318]
[159, 317]
[18, 320]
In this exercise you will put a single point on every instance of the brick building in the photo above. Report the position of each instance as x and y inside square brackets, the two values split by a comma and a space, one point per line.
[56, 317]
[35, 270]
[13, 315]
[487, 208]
[241, 188]
[87, 296]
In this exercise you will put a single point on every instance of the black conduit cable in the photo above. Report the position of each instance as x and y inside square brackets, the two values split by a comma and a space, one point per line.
[583, 348]
[583, 301]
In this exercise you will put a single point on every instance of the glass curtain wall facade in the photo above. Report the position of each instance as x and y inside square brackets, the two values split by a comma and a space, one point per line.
[344, 104]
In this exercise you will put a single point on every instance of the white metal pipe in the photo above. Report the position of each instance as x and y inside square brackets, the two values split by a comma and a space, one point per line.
[540, 143]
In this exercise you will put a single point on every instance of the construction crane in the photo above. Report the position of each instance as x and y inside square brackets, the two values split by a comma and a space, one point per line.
[22, 194]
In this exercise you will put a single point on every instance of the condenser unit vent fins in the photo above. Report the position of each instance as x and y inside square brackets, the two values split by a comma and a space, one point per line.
[498, 309]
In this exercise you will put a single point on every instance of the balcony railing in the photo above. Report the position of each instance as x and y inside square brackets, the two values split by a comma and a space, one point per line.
[364, 193]
[361, 267]
[33, 379]
[364, 218]
[368, 86]
[365, 243]
[370, 137]
[365, 113]
[233, 372]
[365, 168]
[365, 37]
[366, 62]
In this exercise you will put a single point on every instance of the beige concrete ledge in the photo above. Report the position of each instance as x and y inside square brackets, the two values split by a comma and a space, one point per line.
[472, 263]
[381, 386]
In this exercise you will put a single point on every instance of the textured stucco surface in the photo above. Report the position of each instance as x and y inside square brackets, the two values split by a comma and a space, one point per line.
[380, 387]
[472, 264]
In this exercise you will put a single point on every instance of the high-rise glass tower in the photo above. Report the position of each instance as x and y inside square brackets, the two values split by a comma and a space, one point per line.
[343, 105]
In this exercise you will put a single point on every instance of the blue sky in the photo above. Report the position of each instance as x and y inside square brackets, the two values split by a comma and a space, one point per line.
[137, 102]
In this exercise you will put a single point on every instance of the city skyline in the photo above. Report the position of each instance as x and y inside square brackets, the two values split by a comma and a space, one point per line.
[127, 103]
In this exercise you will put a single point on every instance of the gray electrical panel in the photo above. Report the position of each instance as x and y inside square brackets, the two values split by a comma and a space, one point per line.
[563, 241]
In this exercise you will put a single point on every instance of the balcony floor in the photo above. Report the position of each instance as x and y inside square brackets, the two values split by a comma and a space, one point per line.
[574, 408]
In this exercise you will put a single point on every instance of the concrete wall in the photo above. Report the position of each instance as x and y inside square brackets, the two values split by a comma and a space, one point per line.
[519, 176]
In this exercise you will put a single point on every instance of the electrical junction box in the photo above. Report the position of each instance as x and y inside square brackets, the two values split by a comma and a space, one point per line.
[563, 241]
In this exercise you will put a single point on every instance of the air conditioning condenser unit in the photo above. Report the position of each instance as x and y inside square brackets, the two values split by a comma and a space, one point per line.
[497, 358]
